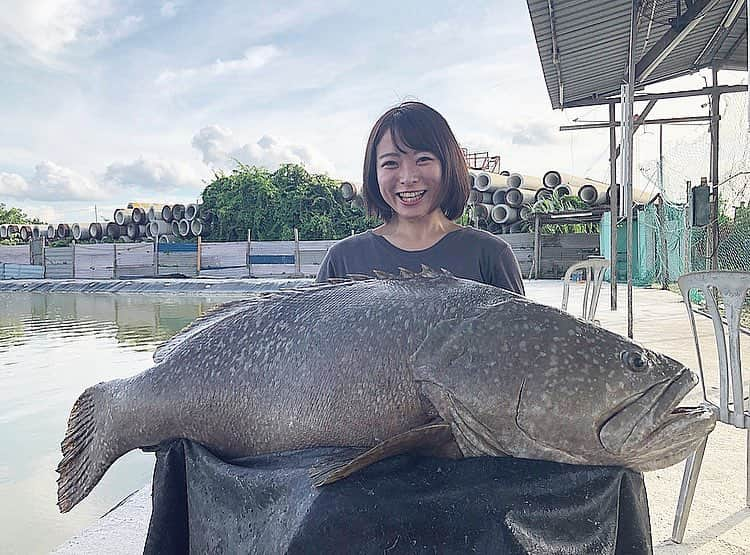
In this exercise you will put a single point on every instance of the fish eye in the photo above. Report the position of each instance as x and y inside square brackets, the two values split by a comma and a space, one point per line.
[634, 360]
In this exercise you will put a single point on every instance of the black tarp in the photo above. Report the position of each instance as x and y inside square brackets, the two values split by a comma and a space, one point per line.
[405, 504]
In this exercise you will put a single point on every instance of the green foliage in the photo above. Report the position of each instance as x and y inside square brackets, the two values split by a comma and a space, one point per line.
[271, 205]
[564, 203]
[10, 215]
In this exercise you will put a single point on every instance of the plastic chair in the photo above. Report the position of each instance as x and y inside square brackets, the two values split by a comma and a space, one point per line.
[733, 408]
[594, 268]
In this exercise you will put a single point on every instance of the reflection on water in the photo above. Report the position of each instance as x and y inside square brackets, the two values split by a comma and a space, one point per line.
[53, 346]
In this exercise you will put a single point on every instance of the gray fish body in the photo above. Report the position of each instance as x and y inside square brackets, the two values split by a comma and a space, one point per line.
[358, 364]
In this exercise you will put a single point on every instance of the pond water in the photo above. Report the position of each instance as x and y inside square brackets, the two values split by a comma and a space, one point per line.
[53, 346]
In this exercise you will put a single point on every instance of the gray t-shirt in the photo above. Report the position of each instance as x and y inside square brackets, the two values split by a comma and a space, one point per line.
[466, 253]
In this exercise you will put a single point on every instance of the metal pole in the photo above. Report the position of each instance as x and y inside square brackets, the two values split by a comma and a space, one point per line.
[297, 257]
[198, 257]
[662, 221]
[73, 244]
[537, 246]
[714, 169]
[614, 208]
[688, 254]
[248, 255]
[626, 97]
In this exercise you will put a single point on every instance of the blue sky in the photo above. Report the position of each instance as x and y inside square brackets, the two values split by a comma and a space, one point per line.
[105, 102]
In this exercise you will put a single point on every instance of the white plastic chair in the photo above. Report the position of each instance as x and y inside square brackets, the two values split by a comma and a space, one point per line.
[733, 408]
[594, 269]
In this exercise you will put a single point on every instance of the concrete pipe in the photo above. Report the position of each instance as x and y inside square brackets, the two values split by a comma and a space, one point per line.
[183, 228]
[176, 227]
[480, 211]
[489, 182]
[96, 231]
[37, 232]
[516, 227]
[552, 179]
[472, 178]
[63, 231]
[542, 194]
[348, 191]
[498, 197]
[80, 232]
[135, 231]
[51, 232]
[25, 232]
[487, 197]
[159, 227]
[524, 212]
[516, 198]
[178, 212]
[154, 213]
[139, 216]
[518, 181]
[196, 227]
[593, 197]
[166, 238]
[475, 196]
[562, 190]
[166, 213]
[123, 216]
[13, 230]
[191, 212]
[3, 231]
[116, 231]
[504, 214]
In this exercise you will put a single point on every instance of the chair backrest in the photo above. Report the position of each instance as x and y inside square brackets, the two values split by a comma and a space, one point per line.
[594, 269]
[731, 288]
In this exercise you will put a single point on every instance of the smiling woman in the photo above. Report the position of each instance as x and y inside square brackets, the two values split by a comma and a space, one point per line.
[416, 180]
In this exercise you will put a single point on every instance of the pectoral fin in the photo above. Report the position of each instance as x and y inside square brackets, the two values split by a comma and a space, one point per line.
[431, 439]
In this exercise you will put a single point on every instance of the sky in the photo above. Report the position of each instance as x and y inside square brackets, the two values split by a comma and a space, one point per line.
[107, 102]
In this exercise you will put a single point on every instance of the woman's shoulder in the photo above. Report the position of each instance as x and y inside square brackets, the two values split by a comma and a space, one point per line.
[480, 237]
[354, 242]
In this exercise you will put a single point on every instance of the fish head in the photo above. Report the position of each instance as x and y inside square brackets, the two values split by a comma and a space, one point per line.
[527, 380]
[604, 399]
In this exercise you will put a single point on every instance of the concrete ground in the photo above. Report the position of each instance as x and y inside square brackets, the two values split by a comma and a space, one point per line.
[719, 520]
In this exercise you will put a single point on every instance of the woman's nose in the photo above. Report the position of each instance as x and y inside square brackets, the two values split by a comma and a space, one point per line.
[408, 174]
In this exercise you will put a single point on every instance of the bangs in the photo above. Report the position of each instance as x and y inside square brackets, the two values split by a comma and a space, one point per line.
[409, 131]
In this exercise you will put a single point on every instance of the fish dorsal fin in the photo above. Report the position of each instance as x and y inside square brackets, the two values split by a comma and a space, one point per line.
[226, 310]
[405, 273]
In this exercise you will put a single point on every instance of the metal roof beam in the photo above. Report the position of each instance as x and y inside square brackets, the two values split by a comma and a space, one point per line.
[681, 28]
[720, 34]
[686, 119]
[723, 89]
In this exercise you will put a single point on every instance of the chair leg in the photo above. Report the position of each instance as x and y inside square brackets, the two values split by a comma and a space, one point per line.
[687, 490]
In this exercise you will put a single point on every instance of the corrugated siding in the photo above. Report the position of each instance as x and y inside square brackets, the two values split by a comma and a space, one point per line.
[135, 260]
[15, 254]
[593, 37]
[182, 263]
[20, 271]
[94, 261]
[58, 263]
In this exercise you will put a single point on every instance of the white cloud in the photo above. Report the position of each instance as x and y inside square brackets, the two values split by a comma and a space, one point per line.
[169, 9]
[253, 59]
[43, 28]
[152, 175]
[50, 182]
[219, 149]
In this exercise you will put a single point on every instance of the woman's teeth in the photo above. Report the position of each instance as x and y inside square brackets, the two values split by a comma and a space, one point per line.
[411, 196]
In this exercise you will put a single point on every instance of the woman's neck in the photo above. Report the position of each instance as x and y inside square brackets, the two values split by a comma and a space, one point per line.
[413, 235]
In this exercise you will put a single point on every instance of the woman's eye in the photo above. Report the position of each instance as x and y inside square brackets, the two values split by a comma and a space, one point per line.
[424, 159]
[388, 164]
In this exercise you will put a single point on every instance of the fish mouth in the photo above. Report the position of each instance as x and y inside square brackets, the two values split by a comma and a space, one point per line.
[653, 421]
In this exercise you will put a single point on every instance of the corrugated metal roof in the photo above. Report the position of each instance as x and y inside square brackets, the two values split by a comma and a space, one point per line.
[592, 39]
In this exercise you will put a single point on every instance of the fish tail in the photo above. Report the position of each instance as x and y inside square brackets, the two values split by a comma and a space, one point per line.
[84, 448]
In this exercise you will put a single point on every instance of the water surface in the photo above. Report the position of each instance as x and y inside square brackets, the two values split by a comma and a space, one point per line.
[53, 346]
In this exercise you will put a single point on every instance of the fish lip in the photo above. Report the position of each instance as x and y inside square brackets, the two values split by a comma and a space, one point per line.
[654, 409]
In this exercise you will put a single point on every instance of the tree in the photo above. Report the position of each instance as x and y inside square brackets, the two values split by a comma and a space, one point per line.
[10, 215]
[272, 205]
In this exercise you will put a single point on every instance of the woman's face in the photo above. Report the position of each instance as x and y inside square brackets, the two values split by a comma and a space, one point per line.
[410, 182]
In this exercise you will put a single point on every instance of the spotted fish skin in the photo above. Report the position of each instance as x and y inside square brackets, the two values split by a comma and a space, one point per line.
[361, 363]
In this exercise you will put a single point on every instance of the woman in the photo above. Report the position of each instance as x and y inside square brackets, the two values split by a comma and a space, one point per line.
[416, 181]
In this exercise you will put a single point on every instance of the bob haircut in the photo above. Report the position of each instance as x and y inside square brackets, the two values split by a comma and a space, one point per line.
[416, 126]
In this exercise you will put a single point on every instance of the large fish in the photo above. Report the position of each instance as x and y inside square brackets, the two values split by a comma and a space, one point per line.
[420, 363]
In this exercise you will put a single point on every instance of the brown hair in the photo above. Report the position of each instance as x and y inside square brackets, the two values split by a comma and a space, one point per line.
[419, 127]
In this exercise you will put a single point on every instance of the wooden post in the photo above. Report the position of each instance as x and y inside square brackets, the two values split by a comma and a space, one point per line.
[664, 258]
[114, 260]
[73, 244]
[156, 254]
[198, 257]
[297, 258]
[537, 245]
[688, 254]
[248, 257]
